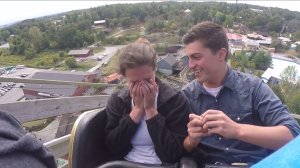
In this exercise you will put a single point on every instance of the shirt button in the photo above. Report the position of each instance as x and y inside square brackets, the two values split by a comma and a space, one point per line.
[220, 138]
[227, 149]
[216, 100]
[238, 118]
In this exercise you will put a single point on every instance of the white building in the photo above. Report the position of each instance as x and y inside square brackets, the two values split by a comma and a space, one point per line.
[278, 66]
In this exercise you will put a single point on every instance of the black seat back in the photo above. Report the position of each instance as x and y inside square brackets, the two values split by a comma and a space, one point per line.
[87, 146]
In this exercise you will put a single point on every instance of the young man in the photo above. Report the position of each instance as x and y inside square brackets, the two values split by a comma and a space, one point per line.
[20, 150]
[146, 122]
[237, 117]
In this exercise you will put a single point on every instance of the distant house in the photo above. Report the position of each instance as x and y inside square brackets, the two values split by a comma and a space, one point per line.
[167, 65]
[254, 36]
[184, 61]
[235, 39]
[173, 49]
[99, 22]
[113, 78]
[37, 91]
[256, 10]
[187, 12]
[252, 45]
[293, 47]
[80, 53]
[284, 39]
[57, 22]
[265, 42]
[273, 75]
[5, 46]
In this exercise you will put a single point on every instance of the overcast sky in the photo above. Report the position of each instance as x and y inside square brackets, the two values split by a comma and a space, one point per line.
[12, 11]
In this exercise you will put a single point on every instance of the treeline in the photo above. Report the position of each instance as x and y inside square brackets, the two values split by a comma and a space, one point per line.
[74, 29]
[288, 90]
[253, 60]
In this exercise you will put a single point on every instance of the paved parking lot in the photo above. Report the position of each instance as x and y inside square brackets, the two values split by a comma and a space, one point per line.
[16, 93]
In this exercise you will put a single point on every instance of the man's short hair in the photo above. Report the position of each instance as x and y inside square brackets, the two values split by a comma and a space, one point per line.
[213, 36]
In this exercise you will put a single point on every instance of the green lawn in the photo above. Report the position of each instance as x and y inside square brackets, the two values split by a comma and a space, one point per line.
[98, 49]
[43, 60]
[111, 66]
[81, 66]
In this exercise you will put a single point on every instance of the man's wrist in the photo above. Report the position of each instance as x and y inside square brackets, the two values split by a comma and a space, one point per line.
[239, 131]
[188, 145]
[191, 143]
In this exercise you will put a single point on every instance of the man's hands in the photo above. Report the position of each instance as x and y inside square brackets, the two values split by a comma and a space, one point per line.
[195, 130]
[210, 122]
[143, 94]
[216, 122]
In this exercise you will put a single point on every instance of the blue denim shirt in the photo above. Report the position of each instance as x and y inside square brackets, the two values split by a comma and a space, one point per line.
[247, 100]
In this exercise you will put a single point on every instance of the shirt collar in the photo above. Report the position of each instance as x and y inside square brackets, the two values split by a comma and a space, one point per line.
[228, 83]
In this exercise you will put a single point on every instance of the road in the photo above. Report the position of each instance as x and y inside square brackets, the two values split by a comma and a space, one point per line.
[109, 51]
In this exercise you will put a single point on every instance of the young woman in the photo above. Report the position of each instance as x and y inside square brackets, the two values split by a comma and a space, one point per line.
[146, 122]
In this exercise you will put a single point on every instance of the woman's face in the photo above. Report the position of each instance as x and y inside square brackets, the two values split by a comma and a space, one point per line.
[144, 72]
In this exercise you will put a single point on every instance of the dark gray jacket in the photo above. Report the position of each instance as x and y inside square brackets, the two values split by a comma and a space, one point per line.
[20, 150]
[167, 129]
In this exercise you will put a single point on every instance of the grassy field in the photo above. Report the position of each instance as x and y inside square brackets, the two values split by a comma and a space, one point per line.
[81, 66]
[111, 66]
[43, 60]
[34, 123]
[98, 49]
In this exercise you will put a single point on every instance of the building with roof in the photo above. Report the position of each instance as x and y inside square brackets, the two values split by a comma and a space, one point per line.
[99, 22]
[80, 53]
[235, 39]
[187, 11]
[5, 46]
[273, 74]
[37, 91]
[167, 65]
[252, 45]
[113, 78]
[284, 39]
[254, 36]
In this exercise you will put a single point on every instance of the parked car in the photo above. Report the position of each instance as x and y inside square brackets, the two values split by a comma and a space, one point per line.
[23, 75]
[5, 90]
[20, 67]
[99, 58]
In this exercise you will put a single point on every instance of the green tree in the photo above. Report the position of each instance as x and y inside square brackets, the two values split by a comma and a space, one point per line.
[278, 91]
[30, 53]
[228, 21]
[289, 75]
[55, 58]
[71, 62]
[61, 54]
[220, 17]
[36, 38]
[293, 103]
[298, 48]
[4, 34]
[258, 74]
[243, 68]
[126, 21]
[262, 60]
[296, 35]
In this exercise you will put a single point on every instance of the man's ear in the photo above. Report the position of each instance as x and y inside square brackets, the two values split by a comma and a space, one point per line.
[222, 54]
